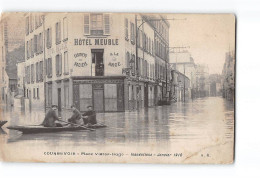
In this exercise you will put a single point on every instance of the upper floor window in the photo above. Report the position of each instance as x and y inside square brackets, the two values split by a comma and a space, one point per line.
[132, 32]
[27, 25]
[66, 63]
[49, 37]
[58, 65]
[126, 29]
[58, 32]
[96, 24]
[49, 67]
[65, 28]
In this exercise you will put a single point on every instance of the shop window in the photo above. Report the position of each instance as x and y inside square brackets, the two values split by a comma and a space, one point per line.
[110, 91]
[85, 96]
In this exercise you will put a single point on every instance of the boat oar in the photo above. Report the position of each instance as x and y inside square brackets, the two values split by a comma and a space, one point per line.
[77, 125]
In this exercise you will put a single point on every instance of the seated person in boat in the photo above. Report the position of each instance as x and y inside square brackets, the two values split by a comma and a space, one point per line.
[89, 117]
[51, 118]
[76, 117]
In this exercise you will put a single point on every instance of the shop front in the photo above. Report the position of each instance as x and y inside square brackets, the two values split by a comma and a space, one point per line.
[105, 94]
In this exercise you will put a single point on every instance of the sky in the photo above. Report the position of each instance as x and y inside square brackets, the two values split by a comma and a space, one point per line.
[208, 36]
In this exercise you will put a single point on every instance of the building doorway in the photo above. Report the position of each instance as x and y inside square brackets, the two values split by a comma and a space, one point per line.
[97, 65]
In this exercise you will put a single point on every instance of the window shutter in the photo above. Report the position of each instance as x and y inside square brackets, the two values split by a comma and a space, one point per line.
[59, 32]
[50, 37]
[57, 64]
[86, 24]
[60, 65]
[106, 24]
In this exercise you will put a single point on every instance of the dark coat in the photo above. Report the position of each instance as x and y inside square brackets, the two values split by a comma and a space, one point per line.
[50, 118]
[90, 117]
[75, 116]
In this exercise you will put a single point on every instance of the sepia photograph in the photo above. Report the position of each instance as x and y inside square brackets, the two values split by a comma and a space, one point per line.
[104, 87]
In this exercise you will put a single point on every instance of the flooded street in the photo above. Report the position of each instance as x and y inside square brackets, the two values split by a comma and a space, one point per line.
[199, 120]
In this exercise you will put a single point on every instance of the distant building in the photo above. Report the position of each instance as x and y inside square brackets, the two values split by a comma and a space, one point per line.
[183, 62]
[228, 76]
[180, 86]
[202, 78]
[11, 40]
[215, 85]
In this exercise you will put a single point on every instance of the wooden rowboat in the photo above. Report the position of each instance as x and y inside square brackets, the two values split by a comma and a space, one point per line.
[2, 123]
[35, 129]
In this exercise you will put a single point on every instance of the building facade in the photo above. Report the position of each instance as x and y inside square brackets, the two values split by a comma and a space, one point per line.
[180, 86]
[182, 62]
[90, 59]
[4, 46]
[228, 76]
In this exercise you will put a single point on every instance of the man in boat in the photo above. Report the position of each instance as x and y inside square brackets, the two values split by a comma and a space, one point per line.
[89, 117]
[51, 118]
[76, 117]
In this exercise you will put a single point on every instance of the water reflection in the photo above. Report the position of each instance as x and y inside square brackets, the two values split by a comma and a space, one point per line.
[199, 119]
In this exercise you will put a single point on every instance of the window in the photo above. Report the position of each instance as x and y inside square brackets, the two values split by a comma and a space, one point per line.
[132, 33]
[106, 24]
[27, 25]
[127, 60]
[37, 72]
[41, 71]
[49, 67]
[66, 63]
[35, 44]
[58, 65]
[32, 73]
[126, 29]
[86, 24]
[38, 93]
[65, 28]
[110, 95]
[85, 96]
[28, 74]
[58, 32]
[27, 49]
[96, 24]
[132, 64]
[39, 44]
[49, 38]
[32, 49]
[3, 74]
[34, 95]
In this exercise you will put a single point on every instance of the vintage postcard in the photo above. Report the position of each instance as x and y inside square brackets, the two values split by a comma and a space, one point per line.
[117, 87]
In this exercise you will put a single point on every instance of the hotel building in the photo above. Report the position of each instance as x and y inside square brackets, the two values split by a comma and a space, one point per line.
[111, 61]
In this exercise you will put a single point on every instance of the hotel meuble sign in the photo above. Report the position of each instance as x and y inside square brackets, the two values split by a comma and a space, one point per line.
[98, 41]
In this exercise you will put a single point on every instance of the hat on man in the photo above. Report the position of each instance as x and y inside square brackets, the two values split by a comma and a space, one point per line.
[54, 106]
